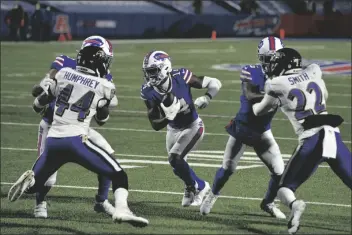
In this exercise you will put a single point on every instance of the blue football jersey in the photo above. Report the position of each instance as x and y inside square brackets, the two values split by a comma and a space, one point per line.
[60, 62]
[253, 74]
[181, 89]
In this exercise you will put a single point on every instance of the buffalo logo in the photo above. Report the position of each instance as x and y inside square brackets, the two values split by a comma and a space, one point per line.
[328, 67]
[161, 56]
[93, 42]
[261, 44]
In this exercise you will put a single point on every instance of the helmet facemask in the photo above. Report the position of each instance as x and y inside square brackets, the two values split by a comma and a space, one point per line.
[265, 60]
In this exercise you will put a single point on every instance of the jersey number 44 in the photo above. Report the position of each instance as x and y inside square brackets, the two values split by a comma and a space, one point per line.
[81, 106]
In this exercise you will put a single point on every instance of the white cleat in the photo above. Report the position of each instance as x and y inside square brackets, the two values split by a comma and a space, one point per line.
[40, 210]
[272, 209]
[188, 196]
[104, 207]
[125, 215]
[198, 199]
[22, 184]
[297, 210]
[208, 203]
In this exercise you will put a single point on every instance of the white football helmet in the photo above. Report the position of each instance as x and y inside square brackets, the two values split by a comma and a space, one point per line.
[267, 48]
[104, 44]
[156, 68]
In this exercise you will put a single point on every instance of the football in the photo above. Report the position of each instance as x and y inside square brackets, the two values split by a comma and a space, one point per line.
[168, 99]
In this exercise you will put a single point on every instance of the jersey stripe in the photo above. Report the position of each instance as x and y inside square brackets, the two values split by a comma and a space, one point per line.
[58, 62]
[245, 72]
[272, 43]
[60, 58]
[189, 76]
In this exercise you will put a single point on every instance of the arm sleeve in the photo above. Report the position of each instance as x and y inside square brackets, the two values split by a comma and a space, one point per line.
[213, 85]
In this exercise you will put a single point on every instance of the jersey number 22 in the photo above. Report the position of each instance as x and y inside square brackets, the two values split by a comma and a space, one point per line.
[301, 111]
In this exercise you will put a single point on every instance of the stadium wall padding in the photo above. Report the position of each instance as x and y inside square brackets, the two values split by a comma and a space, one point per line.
[190, 26]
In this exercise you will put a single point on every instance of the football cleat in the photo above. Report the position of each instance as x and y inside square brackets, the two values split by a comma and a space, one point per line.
[198, 199]
[104, 207]
[208, 203]
[40, 210]
[189, 195]
[272, 209]
[297, 210]
[125, 215]
[22, 184]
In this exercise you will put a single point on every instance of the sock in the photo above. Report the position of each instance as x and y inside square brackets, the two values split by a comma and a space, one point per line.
[286, 196]
[103, 190]
[41, 194]
[121, 195]
[199, 182]
[272, 188]
[220, 179]
[182, 170]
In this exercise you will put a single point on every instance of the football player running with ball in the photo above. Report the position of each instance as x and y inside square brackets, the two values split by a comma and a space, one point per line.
[80, 94]
[167, 95]
[101, 199]
[301, 94]
[248, 130]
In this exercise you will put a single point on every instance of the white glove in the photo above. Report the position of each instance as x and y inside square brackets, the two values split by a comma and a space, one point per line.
[172, 110]
[48, 83]
[202, 102]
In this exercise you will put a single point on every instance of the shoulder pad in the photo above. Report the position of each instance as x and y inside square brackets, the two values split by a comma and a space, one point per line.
[63, 61]
[109, 89]
[251, 72]
[109, 77]
[183, 73]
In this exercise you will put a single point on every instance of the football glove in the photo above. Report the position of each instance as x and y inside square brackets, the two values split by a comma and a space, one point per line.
[172, 110]
[202, 102]
[48, 85]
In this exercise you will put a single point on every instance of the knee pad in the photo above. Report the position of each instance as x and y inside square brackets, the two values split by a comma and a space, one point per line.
[51, 180]
[119, 180]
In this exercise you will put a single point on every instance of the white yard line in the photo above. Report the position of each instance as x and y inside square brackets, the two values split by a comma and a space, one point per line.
[181, 193]
[144, 112]
[17, 97]
[143, 130]
[193, 156]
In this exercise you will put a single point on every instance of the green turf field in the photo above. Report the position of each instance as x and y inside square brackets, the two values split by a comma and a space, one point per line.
[155, 192]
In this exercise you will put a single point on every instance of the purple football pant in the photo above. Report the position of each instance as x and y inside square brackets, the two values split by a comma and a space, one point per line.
[76, 149]
[307, 157]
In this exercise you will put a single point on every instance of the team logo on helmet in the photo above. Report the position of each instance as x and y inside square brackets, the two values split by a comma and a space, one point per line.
[261, 44]
[93, 42]
[161, 56]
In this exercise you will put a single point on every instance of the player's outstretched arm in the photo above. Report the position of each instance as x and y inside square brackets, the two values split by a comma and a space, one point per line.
[212, 84]
[155, 116]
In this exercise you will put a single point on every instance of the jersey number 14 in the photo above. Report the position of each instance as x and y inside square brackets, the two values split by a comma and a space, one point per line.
[81, 106]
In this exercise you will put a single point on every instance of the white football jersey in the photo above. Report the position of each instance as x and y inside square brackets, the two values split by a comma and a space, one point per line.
[77, 95]
[301, 95]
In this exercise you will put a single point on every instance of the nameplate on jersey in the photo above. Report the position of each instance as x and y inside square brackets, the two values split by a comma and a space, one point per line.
[297, 79]
[81, 80]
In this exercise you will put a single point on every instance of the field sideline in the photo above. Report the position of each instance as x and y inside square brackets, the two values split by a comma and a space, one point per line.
[156, 192]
